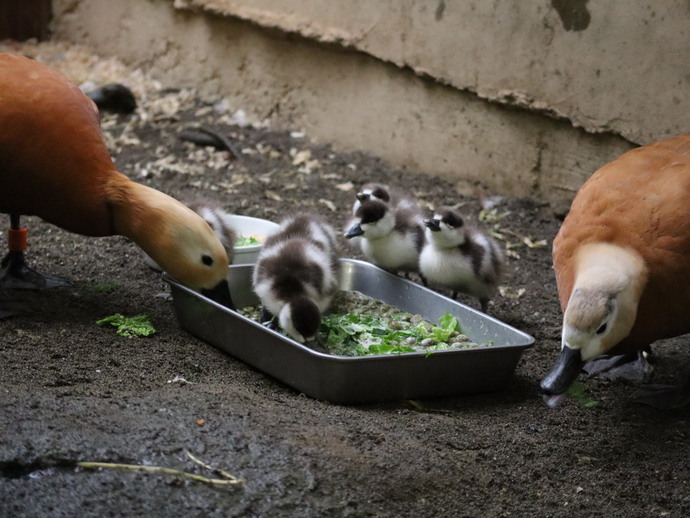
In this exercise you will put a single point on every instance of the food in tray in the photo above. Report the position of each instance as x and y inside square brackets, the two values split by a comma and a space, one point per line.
[359, 325]
[247, 241]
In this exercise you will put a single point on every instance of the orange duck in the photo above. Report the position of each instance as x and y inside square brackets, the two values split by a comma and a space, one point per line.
[622, 260]
[54, 164]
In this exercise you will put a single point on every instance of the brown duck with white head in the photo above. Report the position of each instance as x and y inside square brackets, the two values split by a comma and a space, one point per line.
[622, 260]
[54, 164]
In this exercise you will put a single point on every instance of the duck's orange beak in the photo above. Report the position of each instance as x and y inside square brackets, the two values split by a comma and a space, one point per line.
[220, 293]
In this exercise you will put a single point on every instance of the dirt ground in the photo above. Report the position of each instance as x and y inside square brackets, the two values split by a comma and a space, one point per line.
[72, 391]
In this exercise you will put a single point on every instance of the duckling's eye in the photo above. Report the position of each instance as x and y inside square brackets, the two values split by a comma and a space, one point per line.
[207, 260]
[602, 329]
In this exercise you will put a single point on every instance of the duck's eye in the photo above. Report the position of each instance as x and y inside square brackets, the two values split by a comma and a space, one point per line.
[207, 260]
[602, 329]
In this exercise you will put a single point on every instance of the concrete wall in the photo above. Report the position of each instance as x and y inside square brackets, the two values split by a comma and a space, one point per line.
[525, 98]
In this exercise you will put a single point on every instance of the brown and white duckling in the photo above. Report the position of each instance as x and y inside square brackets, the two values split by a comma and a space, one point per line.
[391, 238]
[460, 257]
[391, 195]
[219, 221]
[295, 275]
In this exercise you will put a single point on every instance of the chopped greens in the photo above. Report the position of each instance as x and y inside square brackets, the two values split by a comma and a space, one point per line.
[359, 334]
[358, 325]
[246, 241]
[577, 391]
[139, 325]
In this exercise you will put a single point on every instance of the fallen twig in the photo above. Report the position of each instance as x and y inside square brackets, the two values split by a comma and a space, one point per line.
[224, 474]
[207, 137]
[226, 480]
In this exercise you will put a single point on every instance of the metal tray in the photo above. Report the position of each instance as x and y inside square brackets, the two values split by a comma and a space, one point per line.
[367, 379]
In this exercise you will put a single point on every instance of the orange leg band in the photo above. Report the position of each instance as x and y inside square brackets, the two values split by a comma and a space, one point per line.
[16, 239]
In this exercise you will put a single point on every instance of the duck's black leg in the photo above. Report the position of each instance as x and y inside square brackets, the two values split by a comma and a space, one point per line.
[15, 272]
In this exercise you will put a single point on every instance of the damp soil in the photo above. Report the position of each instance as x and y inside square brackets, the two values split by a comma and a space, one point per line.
[72, 391]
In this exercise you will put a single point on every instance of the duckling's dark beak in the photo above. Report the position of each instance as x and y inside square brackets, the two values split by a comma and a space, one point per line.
[355, 231]
[220, 293]
[362, 197]
[433, 224]
[566, 370]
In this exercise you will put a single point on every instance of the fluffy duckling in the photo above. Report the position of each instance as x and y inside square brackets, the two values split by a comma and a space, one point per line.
[391, 238]
[54, 164]
[219, 221]
[391, 195]
[295, 275]
[622, 261]
[460, 257]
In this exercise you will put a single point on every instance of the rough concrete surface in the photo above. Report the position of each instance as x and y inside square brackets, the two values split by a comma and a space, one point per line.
[604, 66]
[393, 104]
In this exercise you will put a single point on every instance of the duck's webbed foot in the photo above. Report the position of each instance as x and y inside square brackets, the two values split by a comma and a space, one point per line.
[16, 274]
[664, 397]
[629, 367]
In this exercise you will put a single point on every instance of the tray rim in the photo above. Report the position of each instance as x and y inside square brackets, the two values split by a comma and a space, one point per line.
[528, 343]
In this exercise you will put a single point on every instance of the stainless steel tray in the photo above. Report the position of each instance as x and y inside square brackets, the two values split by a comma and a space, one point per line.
[365, 379]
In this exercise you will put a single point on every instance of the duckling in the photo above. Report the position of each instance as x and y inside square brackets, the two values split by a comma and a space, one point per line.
[391, 195]
[219, 221]
[392, 238]
[460, 257]
[295, 275]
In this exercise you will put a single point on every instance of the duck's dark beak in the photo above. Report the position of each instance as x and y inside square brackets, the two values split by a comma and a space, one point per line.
[220, 293]
[355, 231]
[433, 224]
[566, 370]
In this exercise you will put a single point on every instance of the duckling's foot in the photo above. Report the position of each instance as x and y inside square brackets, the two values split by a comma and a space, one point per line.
[316, 346]
[664, 397]
[268, 319]
[16, 274]
[630, 367]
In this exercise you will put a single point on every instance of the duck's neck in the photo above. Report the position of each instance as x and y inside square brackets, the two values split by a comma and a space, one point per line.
[611, 268]
[139, 212]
